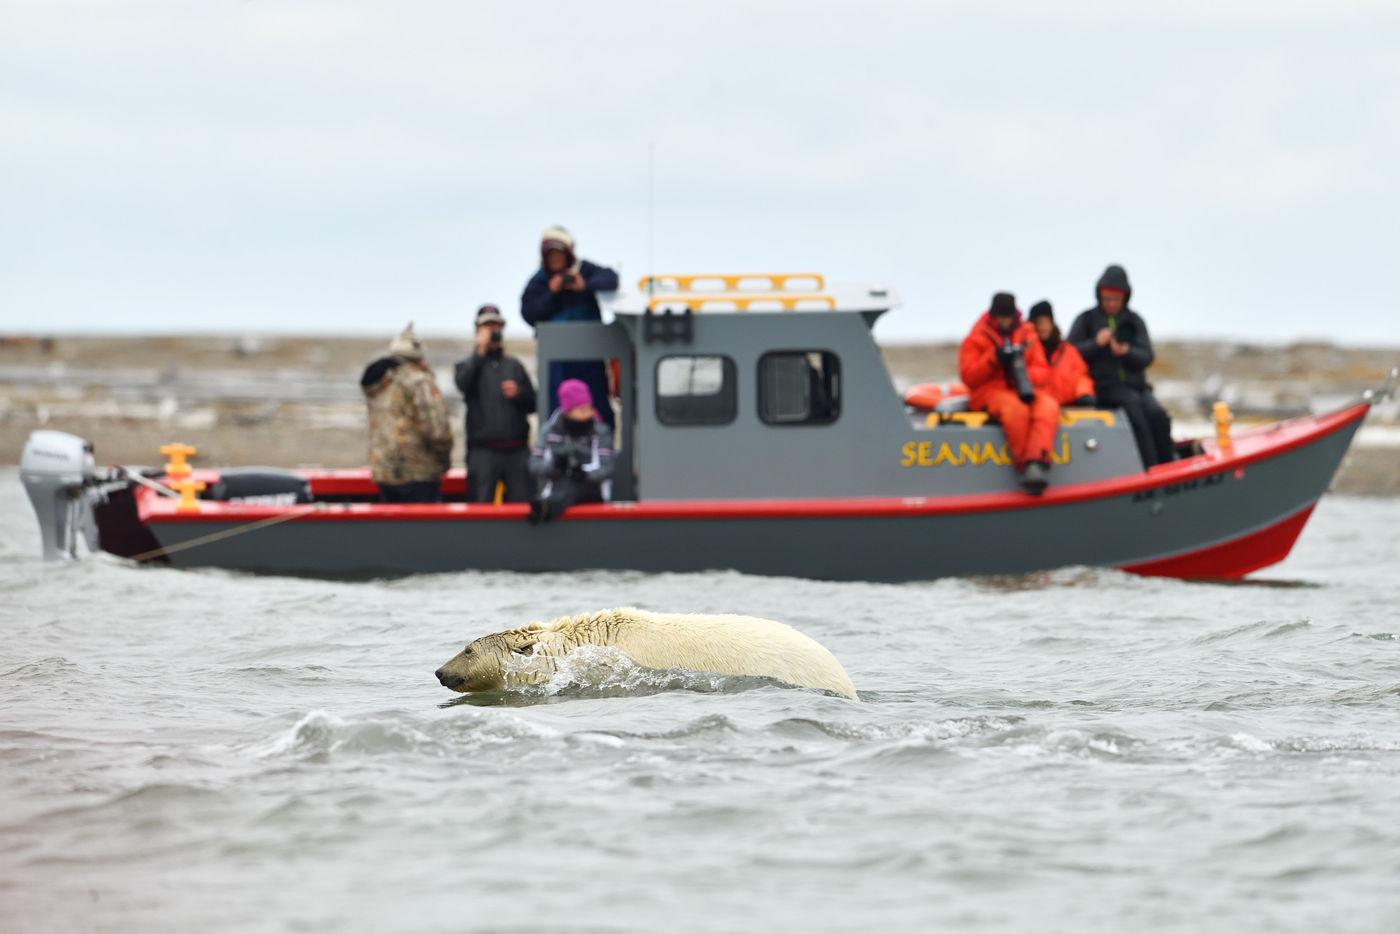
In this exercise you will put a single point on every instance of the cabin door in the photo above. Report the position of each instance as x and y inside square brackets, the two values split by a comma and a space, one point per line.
[609, 345]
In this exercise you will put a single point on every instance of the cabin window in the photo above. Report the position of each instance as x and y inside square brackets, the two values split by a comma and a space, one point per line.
[800, 387]
[696, 390]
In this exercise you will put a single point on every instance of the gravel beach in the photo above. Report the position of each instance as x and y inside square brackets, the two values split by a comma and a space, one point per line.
[290, 401]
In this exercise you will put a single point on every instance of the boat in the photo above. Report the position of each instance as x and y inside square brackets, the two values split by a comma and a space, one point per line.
[764, 435]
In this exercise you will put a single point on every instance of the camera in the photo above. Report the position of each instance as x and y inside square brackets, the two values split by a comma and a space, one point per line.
[495, 336]
[1013, 361]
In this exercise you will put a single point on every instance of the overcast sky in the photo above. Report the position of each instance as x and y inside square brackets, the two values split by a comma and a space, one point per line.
[345, 166]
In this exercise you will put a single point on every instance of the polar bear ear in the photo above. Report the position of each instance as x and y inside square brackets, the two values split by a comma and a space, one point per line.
[534, 626]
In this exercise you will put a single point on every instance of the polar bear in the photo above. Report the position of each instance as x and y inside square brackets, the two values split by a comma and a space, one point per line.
[727, 645]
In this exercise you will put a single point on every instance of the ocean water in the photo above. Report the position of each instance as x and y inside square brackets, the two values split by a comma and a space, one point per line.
[1081, 750]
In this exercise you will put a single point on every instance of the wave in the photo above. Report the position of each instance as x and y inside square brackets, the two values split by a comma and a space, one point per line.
[1262, 629]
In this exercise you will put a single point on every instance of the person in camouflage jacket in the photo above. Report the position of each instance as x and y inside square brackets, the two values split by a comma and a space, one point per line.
[410, 440]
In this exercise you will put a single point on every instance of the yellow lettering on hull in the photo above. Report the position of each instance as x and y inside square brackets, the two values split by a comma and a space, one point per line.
[923, 453]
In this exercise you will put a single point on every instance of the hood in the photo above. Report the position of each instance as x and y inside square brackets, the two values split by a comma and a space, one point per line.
[1114, 277]
[371, 381]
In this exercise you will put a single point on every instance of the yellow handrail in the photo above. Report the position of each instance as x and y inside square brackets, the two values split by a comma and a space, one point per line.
[695, 301]
[736, 282]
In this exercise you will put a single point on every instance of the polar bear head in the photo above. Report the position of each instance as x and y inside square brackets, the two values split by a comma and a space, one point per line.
[501, 659]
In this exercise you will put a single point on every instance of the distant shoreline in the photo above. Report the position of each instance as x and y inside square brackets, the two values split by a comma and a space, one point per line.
[286, 400]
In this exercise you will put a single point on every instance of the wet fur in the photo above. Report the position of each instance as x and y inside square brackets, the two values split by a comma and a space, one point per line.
[727, 645]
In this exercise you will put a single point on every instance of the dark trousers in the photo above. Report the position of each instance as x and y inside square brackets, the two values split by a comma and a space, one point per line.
[566, 491]
[487, 466]
[594, 374]
[1152, 426]
[428, 492]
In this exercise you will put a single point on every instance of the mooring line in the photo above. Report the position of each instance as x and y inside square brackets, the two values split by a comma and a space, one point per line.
[228, 533]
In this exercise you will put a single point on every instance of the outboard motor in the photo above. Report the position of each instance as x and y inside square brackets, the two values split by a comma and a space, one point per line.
[57, 470]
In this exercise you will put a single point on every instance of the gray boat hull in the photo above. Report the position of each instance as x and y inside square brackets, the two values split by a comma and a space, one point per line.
[1215, 516]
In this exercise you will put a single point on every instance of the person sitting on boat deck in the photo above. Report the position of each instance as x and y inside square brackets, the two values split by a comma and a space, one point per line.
[573, 456]
[1003, 366]
[410, 440]
[565, 288]
[499, 395]
[1069, 375]
[1113, 340]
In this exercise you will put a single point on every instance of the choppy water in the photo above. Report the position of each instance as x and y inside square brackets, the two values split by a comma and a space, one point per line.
[1075, 751]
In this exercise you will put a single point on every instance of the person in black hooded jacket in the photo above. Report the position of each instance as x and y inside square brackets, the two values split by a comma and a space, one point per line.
[1113, 340]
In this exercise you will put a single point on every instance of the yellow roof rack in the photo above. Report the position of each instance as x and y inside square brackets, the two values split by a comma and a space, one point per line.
[749, 291]
[733, 282]
[739, 301]
[759, 291]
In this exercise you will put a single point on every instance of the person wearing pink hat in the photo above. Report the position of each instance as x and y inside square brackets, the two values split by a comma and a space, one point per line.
[573, 457]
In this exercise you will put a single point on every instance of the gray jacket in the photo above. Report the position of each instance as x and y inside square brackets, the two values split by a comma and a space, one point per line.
[559, 452]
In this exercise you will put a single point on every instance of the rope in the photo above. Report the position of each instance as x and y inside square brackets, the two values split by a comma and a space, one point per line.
[228, 533]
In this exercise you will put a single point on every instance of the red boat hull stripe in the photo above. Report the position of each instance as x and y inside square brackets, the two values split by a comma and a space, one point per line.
[1234, 558]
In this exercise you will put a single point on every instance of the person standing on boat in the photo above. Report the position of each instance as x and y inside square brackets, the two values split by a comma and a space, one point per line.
[1003, 366]
[1069, 375]
[410, 440]
[499, 395]
[1113, 340]
[573, 456]
[565, 288]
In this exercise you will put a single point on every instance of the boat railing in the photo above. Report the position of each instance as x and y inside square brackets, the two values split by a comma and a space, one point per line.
[678, 293]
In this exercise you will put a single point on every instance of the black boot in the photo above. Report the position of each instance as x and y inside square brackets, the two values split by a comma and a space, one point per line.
[539, 511]
[1033, 478]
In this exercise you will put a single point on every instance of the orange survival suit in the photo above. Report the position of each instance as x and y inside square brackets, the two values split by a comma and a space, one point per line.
[1030, 429]
[1069, 374]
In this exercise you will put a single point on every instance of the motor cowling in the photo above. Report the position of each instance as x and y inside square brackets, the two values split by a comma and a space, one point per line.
[56, 469]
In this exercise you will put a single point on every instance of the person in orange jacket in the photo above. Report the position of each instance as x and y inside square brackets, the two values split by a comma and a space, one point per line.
[1003, 365]
[1069, 374]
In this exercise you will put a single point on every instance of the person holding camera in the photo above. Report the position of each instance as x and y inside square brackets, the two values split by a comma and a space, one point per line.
[1113, 340]
[1069, 376]
[565, 288]
[499, 395]
[1003, 366]
[573, 456]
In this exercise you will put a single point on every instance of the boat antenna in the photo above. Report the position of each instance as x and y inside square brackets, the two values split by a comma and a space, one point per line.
[651, 217]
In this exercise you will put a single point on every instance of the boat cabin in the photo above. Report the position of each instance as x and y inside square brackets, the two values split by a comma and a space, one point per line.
[771, 386]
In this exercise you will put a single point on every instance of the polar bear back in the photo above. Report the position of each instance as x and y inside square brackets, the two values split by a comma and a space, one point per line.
[724, 644]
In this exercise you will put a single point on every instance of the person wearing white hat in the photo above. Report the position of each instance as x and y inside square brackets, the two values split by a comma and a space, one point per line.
[565, 288]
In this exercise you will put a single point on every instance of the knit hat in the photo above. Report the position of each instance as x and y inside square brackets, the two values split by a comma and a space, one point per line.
[557, 238]
[1003, 303]
[489, 314]
[1041, 309]
[407, 344]
[574, 393]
